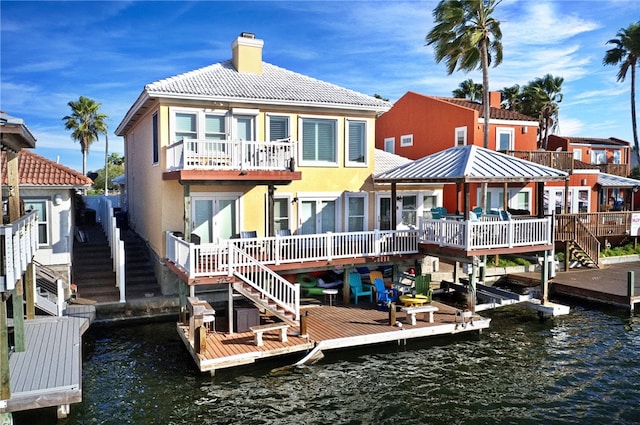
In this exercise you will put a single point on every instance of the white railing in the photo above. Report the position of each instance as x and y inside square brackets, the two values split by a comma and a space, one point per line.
[109, 227]
[191, 154]
[473, 235]
[265, 281]
[19, 241]
[213, 259]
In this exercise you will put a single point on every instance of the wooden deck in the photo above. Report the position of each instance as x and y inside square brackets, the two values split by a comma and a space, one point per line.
[607, 285]
[328, 327]
[49, 372]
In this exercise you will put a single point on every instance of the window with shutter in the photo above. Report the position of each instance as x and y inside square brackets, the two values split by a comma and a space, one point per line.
[356, 150]
[319, 141]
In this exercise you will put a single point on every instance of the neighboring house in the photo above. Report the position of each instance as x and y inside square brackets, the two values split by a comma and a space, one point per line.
[49, 189]
[246, 146]
[419, 125]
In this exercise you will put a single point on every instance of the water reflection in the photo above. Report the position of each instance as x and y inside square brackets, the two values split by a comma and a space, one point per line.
[581, 368]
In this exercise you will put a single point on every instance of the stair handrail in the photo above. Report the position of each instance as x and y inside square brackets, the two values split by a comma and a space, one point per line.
[264, 280]
[110, 228]
[587, 241]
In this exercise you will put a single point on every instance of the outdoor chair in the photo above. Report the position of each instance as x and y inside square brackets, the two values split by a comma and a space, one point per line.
[423, 286]
[358, 289]
[249, 234]
[384, 296]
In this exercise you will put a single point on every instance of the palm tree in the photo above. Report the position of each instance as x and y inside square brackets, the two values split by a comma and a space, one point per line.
[540, 98]
[469, 90]
[86, 123]
[511, 97]
[626, 52]
[467, 37]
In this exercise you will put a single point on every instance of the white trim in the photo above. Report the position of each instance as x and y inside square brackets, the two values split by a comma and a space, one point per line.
[365, 197]
[287, 197]
[245, 111]
[200, 114]
[318, 197]
[510, 122]
[505, 130]
[267, 126]
[365, 149]
[406, 140]
[391, 140]
[455, 136]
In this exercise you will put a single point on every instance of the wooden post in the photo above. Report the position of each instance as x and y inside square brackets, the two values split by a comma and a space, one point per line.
[567, 253]
[303, 324]
[471, 292]
[392, 314]
[631, 287]
[182, 294]
[271, 210]
[544, 281]
[5, 382]
[200, 340]
[30, 290]
[13, 180]
[230, 308]
[346, 289]
[17, 298]
[186, 200]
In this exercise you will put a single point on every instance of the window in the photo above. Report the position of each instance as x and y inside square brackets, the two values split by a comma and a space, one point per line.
[186, 126]
[504, 139]
[318, 141]
[214, 127]
[390, 144]
[154, 132]
[408, 210]
[519, 199]
[616, 157]
[317, 216]
[461, 136]
[40, 207]
[281, 213]
[428, 202]
[278, 127]
[598, 157]
[356, 213]
[356, 143]
[406, 140]
[577, 154]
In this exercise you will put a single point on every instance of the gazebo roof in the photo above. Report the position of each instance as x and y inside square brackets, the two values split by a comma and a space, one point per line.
[610, 180]
[470, 164]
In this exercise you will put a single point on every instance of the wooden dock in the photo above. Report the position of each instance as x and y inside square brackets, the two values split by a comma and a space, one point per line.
[328, 328]
[607, 285]
[49, 372]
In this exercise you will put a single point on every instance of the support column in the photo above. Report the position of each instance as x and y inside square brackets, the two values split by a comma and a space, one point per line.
[544, 281]
[346, 289]
[17, 299]
[230, 309]
[270, 211]
[182, 294]
[394, 207]
[5, 382]
[631, 288]
[186, 195]
[30, 290]
[471, 292]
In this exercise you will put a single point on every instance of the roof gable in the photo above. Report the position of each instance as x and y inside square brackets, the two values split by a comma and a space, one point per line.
[39, 171]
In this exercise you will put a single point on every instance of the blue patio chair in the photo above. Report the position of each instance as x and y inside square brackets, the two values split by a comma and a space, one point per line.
[358, 289]
[384, 296]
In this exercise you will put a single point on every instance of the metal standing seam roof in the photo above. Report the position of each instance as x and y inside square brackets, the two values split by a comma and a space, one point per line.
[470, 164]
[610, 180]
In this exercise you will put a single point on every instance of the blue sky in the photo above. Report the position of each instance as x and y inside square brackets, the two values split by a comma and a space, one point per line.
[54, 52]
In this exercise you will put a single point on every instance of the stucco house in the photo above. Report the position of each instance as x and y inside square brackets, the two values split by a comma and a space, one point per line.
[50, 189]
[244, 148]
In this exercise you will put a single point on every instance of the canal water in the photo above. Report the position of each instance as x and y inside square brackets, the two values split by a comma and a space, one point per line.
[577, 369]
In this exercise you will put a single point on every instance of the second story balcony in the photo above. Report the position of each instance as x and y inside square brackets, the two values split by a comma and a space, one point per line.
[560, 160]
[198, 159]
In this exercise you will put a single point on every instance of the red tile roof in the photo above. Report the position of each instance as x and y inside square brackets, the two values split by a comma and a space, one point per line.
[597, 141]
[494, 113]
[37, 170]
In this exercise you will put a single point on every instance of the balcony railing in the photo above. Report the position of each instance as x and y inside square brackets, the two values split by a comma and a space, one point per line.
[18, 244]
[621, 170]
[192, 154]
[559, 160]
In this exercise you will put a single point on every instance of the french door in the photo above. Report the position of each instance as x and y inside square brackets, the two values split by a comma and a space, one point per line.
[214, 217]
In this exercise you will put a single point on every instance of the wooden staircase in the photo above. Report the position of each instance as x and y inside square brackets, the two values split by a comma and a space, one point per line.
[265, 288]
[583, 245]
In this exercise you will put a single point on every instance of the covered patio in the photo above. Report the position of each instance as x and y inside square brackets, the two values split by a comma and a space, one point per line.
[466, 237]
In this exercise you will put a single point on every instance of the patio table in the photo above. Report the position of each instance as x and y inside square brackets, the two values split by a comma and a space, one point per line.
[411, 301]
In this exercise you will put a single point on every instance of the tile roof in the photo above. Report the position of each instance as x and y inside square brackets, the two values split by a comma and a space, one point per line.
[386, 161]
[39, 171]
[470, 163]
[494, 113]
[222, 82]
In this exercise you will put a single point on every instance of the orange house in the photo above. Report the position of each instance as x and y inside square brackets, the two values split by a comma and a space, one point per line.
[418, 125]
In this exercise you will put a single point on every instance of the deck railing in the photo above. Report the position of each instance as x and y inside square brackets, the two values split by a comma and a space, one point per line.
[559, 160]
[192, 154]
[600, 224]
[487, 234]
[18, 244]
[621, 170]
[213, 259]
